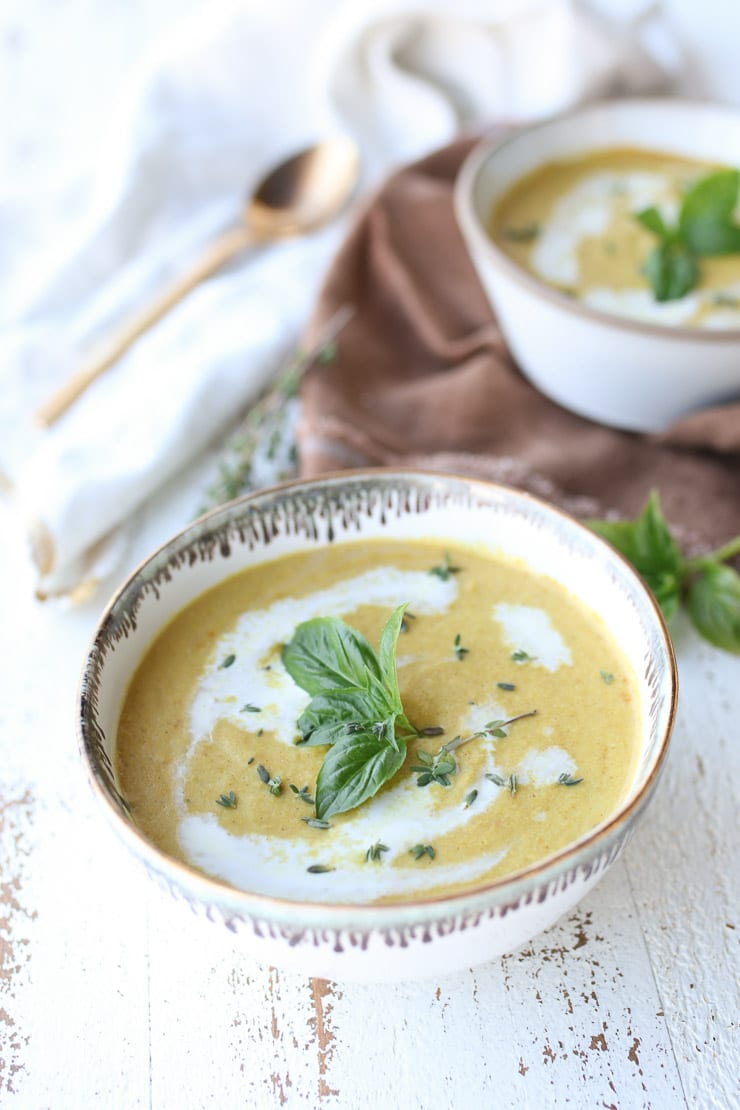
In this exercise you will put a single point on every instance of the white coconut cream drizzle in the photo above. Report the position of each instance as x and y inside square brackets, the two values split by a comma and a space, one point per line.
[223, 691]
[400, 816]
[528, 629]
[587, 210]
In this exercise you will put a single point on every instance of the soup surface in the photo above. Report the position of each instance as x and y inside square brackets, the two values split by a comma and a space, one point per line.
[572, 224]
[211, 713]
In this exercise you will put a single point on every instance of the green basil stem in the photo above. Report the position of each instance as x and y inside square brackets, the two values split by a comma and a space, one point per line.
[721, 555]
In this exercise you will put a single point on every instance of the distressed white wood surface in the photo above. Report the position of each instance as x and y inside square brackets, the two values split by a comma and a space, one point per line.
[110, 995]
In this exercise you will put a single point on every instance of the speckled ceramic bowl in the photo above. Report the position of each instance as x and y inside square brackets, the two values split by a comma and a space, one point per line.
[392, 940]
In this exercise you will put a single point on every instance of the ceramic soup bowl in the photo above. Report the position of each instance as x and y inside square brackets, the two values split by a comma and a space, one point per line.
[390, 940]
[620, 371]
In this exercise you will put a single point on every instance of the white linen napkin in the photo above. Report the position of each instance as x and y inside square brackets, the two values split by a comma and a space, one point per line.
[227, 96]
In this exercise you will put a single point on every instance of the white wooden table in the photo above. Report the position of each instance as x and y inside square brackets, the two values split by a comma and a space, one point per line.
[112, 997]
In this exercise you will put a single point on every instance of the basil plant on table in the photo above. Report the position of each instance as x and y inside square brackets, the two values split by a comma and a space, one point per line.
[709, 588]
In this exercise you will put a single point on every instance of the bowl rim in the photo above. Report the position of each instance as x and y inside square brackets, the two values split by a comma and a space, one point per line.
[502, 890]
[467, 217]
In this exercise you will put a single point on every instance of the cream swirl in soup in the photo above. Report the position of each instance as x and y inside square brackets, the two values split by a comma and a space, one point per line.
[208, 758]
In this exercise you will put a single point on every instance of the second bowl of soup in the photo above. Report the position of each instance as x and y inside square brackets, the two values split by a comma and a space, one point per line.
[608, 243]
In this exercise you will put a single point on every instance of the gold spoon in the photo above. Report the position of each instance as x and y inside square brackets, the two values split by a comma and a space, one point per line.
[298, 196]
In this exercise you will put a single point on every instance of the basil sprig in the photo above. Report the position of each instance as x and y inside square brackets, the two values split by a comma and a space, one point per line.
[705, 227]
[355, 707]
[709, 588]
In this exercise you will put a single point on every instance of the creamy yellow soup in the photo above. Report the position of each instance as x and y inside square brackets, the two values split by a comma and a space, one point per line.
[211, 712]
[571, 224]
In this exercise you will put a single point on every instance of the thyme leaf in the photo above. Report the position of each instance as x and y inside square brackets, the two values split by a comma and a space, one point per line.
[228, 801]
[420, 850]
[374, 852]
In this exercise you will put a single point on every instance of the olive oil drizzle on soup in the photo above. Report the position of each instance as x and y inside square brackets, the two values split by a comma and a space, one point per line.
[211, 711]
[572, 224]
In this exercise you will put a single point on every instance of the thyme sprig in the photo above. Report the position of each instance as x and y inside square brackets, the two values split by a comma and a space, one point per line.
[567, 779]
[228, 801]
[459, 651]
[267, 422]
[374, 854]
[273, 782]
[444, 569]
[303, 795]
[438, 767]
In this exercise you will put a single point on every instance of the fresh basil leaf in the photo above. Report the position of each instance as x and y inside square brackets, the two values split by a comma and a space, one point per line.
[328, 716]
[649, 546]
[714, 605]
[326, 654]
[656, 547]
[354, 770]
[706, 220]
[651, 219]
[671, 271]
[387, 653]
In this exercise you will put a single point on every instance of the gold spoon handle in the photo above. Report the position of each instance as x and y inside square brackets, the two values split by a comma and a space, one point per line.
[221, 251]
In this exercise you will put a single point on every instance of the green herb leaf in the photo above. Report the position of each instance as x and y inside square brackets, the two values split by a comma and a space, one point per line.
[356, 708]
[705, 227]
[328, 717]
[434, 768]
[470, 798]
[459, 651]
[302, 795]
[671, 271]
[527, 233]
[714, 605]
[567, 780]
[651, 549]
[606, 677]
[355, 768]
[652, 220]
[420, 850]
[325, 655]
[444, 569]
[705, 222]
[316, 823]
[228, 801]
[374, 852]
[227, 662]
[520, 656]
[249, 708]
[387, 653]
[506, 686]
[318, 869]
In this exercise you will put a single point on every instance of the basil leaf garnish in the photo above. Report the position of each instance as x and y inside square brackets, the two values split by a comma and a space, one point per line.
[671, 270]
[705, 227]
[326, 654]
[354, 770]
[356, 708]
[705, 222]
[329, 716]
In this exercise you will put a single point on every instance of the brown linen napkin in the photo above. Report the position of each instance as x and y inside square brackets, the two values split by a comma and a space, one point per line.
[422, 378]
